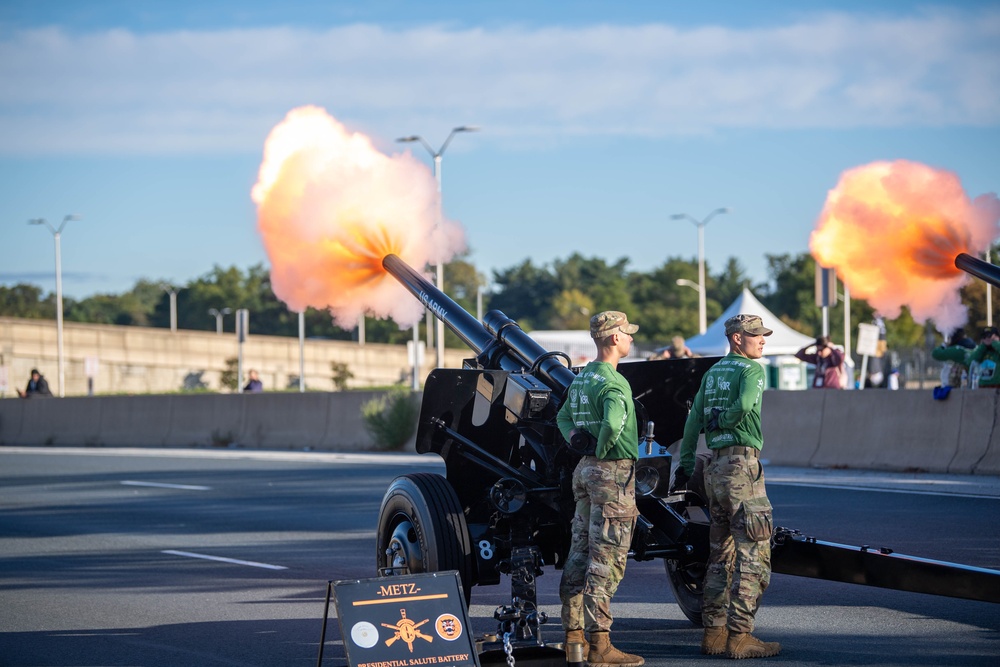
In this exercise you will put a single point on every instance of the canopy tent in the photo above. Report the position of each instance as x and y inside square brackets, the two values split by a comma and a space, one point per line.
[784, 340]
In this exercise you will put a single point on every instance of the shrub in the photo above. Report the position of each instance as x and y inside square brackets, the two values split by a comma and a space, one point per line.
[341, 374]
[391, 419]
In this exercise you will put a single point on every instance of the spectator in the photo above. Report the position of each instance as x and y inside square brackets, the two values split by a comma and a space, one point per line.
[38, 386]
[254, 385]
[679, 350]
[983, 360]
[829, 363]
[955, 355]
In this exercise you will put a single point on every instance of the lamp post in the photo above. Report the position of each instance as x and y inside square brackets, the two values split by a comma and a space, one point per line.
[218, 314]
[172, 291]
[439, 269]
[702, 314]
[57, 234]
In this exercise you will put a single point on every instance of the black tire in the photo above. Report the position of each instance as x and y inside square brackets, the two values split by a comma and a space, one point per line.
[687, 578]
[422, 528]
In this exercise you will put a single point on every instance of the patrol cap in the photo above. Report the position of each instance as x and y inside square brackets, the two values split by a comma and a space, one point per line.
[751, 324]
[610, 322]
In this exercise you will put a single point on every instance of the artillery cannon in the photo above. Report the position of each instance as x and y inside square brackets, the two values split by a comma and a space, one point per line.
[505, 505]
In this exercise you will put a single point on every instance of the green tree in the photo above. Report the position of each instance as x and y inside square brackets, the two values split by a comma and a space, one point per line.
[25, 300]
[664, 308]
[526, 293]
[572, 309]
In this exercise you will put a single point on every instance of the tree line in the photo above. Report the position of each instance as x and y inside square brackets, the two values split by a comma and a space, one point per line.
[560, 295]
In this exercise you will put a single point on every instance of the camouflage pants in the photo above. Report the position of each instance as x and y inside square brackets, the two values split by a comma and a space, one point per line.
[604, 492]
[739, 567]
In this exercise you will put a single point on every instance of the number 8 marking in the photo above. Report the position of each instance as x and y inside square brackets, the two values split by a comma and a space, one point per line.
[485, 550]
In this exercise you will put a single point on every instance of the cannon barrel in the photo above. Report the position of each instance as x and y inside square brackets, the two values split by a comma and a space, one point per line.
[979, 268]
[499, 343]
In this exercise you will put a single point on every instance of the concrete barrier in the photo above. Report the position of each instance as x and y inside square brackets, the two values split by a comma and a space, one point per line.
[888, 430]
[345, 427]
[872, 429]
[67, 421]
[791, 422]
[10, 421]
[205, 420]
[132, 421]
[981, 432]
[284, 420]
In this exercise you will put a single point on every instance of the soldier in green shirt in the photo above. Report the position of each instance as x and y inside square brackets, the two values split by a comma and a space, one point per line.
[598, 419]
[986, 358]
[727, 409]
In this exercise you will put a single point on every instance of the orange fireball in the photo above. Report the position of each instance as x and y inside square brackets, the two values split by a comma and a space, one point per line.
[892, 231]
[330, 206]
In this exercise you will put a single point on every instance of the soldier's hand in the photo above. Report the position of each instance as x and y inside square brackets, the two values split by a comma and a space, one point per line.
[713, 421]
[681, 479]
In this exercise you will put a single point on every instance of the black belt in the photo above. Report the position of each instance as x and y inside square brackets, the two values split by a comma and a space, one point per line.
[736, 451]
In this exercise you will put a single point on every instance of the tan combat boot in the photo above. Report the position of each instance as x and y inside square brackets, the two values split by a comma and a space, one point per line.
[713, 642]
[576, 648]
[603, 654]
[745, 645]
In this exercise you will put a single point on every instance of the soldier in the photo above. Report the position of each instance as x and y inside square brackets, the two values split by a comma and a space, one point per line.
[727, 408]
[598, 419]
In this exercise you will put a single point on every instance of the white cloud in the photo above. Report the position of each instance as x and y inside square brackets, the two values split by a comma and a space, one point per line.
[190, 92]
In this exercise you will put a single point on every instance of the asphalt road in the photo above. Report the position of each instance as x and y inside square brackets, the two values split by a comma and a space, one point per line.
[206, 558]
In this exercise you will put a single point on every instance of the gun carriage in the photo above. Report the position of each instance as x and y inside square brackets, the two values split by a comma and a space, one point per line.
[505, 504]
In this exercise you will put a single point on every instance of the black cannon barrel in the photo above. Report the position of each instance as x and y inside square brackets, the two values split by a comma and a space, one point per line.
[979, 268]
[458, 320]
[501, 345]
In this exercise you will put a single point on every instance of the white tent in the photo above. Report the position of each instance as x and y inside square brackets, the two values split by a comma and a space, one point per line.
[785, 340]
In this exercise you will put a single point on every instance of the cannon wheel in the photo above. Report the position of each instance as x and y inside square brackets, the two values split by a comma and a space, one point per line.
[687, 579]
[421, 528]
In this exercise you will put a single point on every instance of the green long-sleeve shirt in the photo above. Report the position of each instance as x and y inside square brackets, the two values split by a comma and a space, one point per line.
[987, 356]
[599, 401]
[735, 385]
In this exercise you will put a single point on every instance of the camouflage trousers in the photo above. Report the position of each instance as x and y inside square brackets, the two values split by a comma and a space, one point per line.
[739, 567]
[604, 492]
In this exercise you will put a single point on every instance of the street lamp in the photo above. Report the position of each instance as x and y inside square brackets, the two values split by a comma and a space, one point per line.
[702, 315]
[437, 177]
[218, 314]
[172, 291]
[56, 234]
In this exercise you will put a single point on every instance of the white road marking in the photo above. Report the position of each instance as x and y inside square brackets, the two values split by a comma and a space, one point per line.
[220, 559]
[259, 455]
[164, 485]
[911, 492]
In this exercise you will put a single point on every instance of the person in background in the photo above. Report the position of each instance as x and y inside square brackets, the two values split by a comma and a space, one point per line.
[679, 349]
[955, 354]
[984, 359]
[829, 362]
[727, 409]
[598, 421]
[38, 386]
[879, 366]
[254, 385]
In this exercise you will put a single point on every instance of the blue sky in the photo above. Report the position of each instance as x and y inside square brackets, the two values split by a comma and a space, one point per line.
[599, 120]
